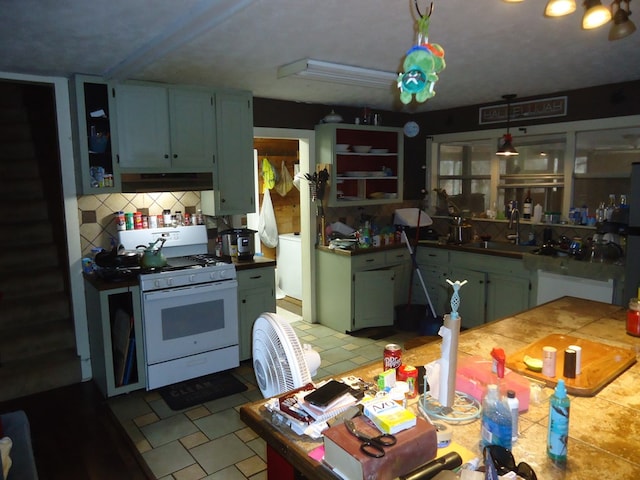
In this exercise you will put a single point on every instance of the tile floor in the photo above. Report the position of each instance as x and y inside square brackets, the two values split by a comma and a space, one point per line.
[209, 441]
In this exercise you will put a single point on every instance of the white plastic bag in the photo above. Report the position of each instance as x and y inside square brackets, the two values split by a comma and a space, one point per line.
[285, 182]
[267, 227]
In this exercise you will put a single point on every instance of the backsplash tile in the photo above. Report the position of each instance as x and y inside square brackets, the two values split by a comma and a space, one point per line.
[95, 212]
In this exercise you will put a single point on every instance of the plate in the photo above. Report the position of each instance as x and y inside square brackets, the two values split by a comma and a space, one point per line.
[356, 174]
[379, 150]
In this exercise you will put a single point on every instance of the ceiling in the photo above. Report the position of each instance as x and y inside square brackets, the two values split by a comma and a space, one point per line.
[491, 49]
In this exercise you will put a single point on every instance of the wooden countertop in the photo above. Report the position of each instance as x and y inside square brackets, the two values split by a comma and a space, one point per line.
[603, 430]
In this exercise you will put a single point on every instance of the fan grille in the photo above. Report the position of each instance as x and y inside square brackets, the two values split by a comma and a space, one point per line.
[278, 359]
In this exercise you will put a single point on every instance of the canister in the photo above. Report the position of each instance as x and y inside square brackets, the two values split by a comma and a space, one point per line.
[128, 220]
[120, 221]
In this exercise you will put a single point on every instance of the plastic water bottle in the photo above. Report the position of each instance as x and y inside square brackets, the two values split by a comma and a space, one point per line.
[559, 406]
[496, 420]
[514, 407]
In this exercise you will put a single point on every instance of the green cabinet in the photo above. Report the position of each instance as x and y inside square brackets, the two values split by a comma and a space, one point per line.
[256, 295]
[355, 291]
[434, 269]
[94, 125]
[115, 337]
[162, 130]
[234, 177]
[496, 286]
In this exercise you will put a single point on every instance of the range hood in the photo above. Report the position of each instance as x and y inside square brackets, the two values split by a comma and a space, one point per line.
[166, 182]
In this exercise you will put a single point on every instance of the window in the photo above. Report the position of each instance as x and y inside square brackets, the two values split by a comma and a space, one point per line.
[465, 175]
[538, 170]
[603, 165]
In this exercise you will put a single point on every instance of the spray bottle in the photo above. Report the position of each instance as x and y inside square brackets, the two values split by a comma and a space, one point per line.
[558, 437]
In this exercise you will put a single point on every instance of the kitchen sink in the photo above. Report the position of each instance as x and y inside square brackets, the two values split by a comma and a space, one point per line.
[501, 246]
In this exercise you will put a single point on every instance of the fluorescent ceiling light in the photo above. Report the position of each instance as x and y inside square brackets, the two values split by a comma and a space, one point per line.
[338, 73]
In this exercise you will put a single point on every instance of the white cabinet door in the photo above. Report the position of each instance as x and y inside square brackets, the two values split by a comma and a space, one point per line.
[193, 134]
[143, 127]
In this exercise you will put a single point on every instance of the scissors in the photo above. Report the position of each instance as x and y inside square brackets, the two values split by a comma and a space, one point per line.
[372, 446]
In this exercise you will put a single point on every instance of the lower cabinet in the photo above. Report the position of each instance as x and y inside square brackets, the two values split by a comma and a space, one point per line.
[256, 295]
[496, 286]
[115, 336]
[357, 291]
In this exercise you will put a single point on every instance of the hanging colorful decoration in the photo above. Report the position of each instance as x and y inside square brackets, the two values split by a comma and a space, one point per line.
[421, 65]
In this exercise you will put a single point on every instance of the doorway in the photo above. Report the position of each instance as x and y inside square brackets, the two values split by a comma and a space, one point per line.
[293, 210]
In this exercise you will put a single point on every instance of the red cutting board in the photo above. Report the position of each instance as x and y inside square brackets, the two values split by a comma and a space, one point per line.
[600, 363]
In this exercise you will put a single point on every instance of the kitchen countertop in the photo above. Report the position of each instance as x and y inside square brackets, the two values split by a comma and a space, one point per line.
[603, 429]
[360, 251]
[560, 265]
[102, 284]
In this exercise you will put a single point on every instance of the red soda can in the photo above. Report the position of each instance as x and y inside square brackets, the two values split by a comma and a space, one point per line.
[392, 357]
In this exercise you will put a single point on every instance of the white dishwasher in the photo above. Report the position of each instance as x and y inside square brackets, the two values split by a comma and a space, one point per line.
[289, 264]
[552, 286]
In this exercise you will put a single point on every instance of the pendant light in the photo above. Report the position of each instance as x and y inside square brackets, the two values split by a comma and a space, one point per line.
[507, 149]
[596, 14]
[622, 26]
[559, 8]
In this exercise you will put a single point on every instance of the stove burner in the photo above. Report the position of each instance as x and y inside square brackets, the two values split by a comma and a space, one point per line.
[206, 259]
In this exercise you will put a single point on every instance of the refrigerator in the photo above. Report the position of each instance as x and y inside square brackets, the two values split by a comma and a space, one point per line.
[632, 258]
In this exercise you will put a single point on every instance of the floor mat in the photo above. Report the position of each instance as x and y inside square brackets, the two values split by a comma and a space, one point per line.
[199, 390]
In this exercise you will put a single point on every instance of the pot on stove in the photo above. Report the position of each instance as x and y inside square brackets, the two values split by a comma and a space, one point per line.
[117, 258]
[238, 242]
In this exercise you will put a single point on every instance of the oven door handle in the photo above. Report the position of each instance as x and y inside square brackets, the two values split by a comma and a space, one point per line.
[213, 287]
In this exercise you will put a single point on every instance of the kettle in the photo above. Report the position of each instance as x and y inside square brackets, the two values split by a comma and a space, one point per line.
[153, 257]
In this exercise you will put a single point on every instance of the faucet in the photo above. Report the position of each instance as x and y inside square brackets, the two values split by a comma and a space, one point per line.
[515, 217]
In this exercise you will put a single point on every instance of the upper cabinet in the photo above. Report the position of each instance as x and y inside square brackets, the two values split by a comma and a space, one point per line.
[163, 130]
[94, 117]
[365, 163]
[234, 175]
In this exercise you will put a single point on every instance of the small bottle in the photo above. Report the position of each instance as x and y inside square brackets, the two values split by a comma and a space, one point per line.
[496, 420]
[558, 437]
[179, 218]
[527, 206]
[514, 407]
[166, 218]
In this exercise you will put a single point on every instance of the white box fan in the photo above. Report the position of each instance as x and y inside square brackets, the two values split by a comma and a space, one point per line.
[280, 362]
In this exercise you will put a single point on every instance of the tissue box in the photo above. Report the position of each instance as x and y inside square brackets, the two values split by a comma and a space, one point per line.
[474, 374]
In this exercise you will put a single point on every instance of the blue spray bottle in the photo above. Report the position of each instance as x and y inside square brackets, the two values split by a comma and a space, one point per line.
[558, 437]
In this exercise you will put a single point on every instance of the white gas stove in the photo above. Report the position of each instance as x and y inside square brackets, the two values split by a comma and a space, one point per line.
[189, 307]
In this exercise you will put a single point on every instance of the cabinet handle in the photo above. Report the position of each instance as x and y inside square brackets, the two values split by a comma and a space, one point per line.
[244, 300]
[175, 155]
[369, 260]
[166, 155]
[256, 277]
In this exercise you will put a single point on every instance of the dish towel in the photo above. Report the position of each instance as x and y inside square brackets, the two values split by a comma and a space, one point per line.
[267, 227]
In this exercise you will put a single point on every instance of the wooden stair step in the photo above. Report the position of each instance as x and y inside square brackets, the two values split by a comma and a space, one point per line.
[41, 281]
[19, 343]
[39, 374]
[34, 310]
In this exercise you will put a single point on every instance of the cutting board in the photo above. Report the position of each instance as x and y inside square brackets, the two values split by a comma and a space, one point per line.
[600, 363]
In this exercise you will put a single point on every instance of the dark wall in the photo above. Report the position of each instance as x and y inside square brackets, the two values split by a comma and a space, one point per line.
[605, 101]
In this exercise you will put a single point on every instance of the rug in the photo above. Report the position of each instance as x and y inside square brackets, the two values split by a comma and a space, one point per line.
[199, 390]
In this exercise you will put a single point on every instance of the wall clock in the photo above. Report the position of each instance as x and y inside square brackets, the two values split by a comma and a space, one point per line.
[411, 129]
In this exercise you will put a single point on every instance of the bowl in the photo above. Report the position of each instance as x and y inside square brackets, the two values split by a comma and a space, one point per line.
[362, 148]
[342, 147]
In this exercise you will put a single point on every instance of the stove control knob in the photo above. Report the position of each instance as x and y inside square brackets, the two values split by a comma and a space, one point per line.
[213, 275]
[192, 278]
[156, 284]
[169, 282]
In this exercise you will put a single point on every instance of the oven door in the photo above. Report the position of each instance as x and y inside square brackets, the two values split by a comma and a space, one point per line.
[179, 322]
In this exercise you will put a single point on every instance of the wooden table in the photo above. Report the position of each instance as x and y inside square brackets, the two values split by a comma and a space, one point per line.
[604, 429]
